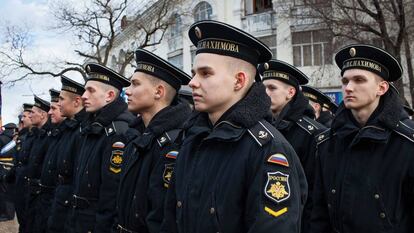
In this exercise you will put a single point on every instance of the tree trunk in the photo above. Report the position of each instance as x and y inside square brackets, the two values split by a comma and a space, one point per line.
[409, 67]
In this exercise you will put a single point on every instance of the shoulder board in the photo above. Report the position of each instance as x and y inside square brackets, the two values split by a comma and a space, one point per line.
[116, 127]
[262, 132]
[308, 125]
[405, 130]
[168, 137]
[325, 135]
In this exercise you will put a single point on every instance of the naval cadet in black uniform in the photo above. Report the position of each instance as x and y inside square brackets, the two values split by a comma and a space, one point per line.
[322, 104]
[293, 117]
[47, 181]
[151, 157]
[99, 162]
[41, 129]
[71, 107]
[235, 172]
[365, 169]
[23, 145]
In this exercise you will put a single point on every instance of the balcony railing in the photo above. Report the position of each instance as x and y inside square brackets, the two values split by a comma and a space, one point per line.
[260, 22]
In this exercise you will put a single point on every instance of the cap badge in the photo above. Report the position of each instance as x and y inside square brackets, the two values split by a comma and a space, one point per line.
[197, 31]
[352, 52]
[266, 66]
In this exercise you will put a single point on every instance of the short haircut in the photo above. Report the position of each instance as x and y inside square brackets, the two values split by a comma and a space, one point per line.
[170, 92]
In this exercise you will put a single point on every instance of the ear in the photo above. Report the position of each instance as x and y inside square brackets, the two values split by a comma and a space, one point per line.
[240, 80]
[78, 101]
[291, 92]
[110, 95]
[159, 91]
[383, 87]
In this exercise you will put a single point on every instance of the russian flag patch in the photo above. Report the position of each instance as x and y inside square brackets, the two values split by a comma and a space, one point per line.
[278, 159]
[172, 154]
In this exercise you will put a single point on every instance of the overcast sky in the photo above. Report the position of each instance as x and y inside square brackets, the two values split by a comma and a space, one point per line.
[47, 45]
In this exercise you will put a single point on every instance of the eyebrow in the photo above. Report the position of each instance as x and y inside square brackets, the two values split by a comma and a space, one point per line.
[355, 76]
[202, 68]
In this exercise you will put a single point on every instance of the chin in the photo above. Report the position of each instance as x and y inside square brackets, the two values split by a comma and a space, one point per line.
[200, 108]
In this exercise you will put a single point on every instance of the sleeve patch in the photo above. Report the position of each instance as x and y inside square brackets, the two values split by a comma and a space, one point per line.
[277, 187]
[116, 161]
[278, 158]
[118, 145]
[167, 174]
[275, 213]
[172, 154]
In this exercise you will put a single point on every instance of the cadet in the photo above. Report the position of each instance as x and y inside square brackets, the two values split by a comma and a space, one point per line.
[322, 104]
[100, 158]
[234, 173]
[42, 126]
[151, 157]
[71, 107]
[23, 145]
[293, 117]
[7, 155]
[47, 181]
[364, 180]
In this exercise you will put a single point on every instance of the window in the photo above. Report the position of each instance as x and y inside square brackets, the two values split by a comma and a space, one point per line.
[175, 28]
[271, 42]
[175, 41]
[257, 6]
[177, 61]
[312, 48]
[202, 11]
[311, 2]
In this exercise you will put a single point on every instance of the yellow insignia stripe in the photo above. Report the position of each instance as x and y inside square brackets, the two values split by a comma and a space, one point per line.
[6, 159]
[115, 170]
[276, 213]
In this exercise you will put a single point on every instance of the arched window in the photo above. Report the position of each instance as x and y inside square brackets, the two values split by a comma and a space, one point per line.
[175, 28]
[202, 11]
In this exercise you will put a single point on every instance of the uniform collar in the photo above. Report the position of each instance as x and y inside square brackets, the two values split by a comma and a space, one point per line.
[234, 122]
[379, 125]
[294, 110]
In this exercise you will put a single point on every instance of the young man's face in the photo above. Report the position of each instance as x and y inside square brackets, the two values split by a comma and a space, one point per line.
[140, 93]
[278, 92]
[212, 83]
[36, 116]
[54, 113]
[360, 88]
[94, 97]
[67, 103]
[27, 123]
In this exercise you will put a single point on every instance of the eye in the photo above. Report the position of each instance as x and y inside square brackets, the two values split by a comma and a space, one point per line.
[344, 81]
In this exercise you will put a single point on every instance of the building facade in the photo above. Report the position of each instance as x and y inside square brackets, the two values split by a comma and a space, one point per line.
[298, 41]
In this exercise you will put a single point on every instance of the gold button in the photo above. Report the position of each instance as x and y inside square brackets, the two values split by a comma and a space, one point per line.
[376, 196]
[212, 210]
[179, 204]
[382, 215]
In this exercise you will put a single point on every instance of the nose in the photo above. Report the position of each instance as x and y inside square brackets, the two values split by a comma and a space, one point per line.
[267, 91]
[84, 96]
[194, 82]
[128, 91]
